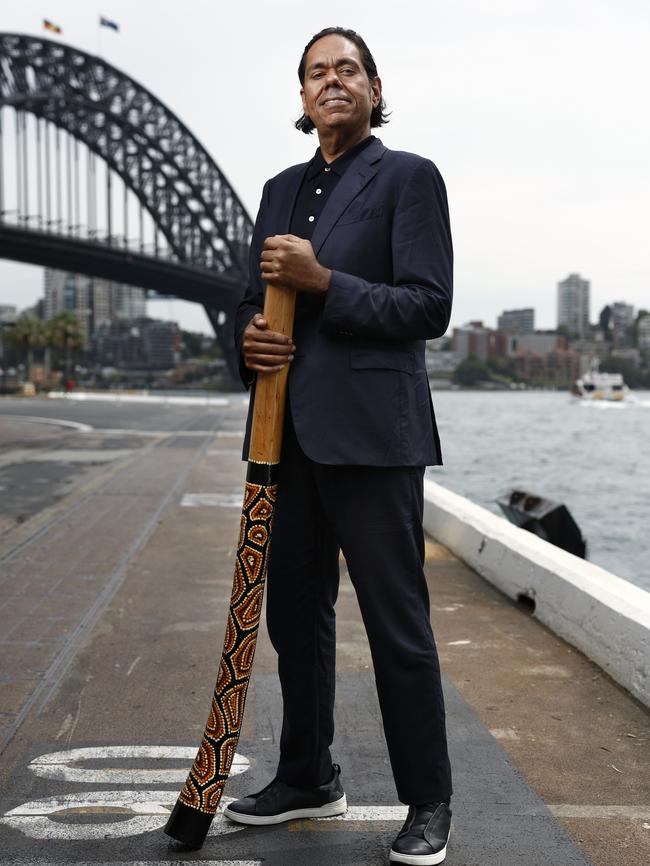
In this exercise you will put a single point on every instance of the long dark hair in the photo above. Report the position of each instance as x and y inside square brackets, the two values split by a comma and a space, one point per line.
[379, 115]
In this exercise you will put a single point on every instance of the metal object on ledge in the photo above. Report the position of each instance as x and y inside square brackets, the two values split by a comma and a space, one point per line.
[550, 520]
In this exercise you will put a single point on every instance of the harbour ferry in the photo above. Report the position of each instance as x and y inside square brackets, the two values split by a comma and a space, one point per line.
[594, 385]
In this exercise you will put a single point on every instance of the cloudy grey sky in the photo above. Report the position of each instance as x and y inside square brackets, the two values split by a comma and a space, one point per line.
[535, 111]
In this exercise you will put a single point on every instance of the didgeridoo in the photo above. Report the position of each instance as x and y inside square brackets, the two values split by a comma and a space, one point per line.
[197, 803]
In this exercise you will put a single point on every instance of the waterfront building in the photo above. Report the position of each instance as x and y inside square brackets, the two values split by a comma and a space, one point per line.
[536, 344]
[629, 354]
[622, 322]
[591, 352]
[145, 344]
[8, 314]
[441, 364]
[95, 301]
[557, 369]
[643, 333]
[128, 303]
[517, 321]
[573, 300]
[475, 339]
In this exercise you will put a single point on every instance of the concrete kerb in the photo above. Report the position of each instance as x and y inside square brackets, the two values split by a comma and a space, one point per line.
[605, 617]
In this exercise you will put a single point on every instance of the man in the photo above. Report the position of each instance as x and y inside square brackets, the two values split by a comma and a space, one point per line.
[362, 234]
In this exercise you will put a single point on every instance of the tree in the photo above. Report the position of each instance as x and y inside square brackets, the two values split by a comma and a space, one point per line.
[631, 376]
[64, 334]
[27, 334]
[191, 344]
[635, 328]
[605, 321]
[471, 371]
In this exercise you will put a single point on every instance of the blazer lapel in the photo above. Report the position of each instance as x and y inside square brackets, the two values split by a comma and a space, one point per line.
[359, 173]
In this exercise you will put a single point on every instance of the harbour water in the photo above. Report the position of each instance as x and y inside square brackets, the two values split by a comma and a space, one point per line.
[593, 457]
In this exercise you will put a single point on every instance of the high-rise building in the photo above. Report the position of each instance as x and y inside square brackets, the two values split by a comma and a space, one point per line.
[8, 313]
[95, 301]
[517, 321]
[622, 319]
[644, 333]
[573, 304]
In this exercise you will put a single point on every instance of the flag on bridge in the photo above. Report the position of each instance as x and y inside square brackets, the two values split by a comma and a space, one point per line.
[106, 22]
[53, 27]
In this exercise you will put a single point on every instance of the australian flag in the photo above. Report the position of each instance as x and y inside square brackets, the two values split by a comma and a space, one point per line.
[106, 22]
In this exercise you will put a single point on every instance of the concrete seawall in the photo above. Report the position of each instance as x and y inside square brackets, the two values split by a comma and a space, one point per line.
[604, 616]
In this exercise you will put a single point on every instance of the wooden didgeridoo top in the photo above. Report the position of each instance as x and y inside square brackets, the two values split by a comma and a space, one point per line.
[271, 388]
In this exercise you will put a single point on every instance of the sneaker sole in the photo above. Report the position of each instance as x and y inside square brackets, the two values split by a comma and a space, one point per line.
[329, 810]
[419, 859]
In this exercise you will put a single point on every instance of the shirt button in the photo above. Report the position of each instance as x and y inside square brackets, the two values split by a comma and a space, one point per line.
[311, 219]
[327, 169]
[318, 191]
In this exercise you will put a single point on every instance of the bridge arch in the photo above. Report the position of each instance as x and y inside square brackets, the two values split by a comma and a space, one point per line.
[170, 173]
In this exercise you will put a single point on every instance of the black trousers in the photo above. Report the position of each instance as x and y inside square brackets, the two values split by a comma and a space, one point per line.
[374, 515]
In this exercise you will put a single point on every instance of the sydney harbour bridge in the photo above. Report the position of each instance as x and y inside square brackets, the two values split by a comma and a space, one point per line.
[99, 177]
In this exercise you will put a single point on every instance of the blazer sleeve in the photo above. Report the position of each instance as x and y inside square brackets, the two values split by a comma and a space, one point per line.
[418, 305]
[253, 300]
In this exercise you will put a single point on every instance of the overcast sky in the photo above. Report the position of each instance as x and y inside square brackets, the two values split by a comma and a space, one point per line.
[535, 111]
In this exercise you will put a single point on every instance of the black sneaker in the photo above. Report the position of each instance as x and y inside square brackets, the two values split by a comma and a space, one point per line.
[422, 841]
[279, 802]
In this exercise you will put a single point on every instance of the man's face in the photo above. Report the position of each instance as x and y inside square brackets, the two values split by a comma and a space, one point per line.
[337, 93]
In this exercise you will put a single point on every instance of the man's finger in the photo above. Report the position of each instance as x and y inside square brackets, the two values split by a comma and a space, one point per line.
[251, 347]
[266, 337]
[265, 361]
[274, 242]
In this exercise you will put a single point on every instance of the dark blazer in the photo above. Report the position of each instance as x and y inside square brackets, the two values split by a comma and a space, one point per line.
[358, 387]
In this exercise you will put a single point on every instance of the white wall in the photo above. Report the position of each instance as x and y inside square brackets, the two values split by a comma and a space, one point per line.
[604, 616]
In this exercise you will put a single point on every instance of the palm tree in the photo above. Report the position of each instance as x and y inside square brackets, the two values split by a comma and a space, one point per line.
[63, 333]
[28, 334]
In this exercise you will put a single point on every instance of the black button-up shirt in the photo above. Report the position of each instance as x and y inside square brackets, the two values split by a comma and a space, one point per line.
[318, 184]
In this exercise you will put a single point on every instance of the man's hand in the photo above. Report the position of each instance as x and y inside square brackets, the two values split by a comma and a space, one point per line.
[265, 351]
[290, 261]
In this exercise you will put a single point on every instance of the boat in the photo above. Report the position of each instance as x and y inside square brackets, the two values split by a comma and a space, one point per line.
[595, 385]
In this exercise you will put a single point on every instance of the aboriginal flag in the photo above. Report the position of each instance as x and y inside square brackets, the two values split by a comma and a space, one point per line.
[53, 27]
[106, 22]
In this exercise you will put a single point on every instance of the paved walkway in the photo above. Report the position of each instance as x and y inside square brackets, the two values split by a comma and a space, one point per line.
[116, 557]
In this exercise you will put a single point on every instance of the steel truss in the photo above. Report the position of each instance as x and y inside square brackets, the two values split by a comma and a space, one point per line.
[205, 227]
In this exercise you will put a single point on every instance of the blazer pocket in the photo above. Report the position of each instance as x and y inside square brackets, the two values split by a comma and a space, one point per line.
[382, 359]
[358, 214]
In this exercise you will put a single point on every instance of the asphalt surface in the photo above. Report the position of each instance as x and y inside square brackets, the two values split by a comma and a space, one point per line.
[118, 525]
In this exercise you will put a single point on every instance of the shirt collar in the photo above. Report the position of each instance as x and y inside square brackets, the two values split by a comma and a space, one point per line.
[340, 164]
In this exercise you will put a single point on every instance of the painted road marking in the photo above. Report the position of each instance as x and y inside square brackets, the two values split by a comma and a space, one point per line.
[213, 500]
[61, 765]
[137, 812]
[131, 863]
[370, 813]
[78, 455]
[31, 862]
[128, 431]
[134, 812]
[57, 422]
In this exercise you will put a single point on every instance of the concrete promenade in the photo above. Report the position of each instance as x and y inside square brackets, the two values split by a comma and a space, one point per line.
[118, 526]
